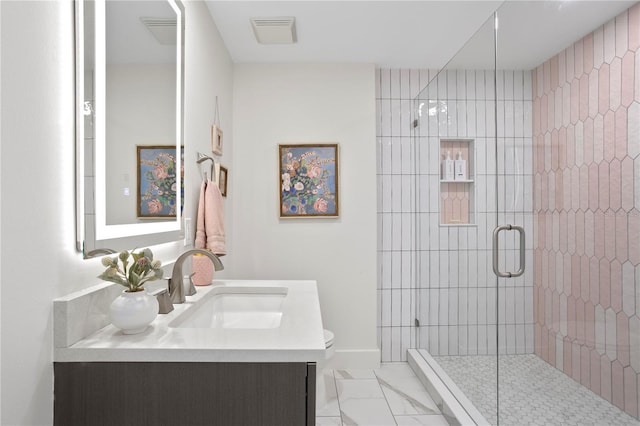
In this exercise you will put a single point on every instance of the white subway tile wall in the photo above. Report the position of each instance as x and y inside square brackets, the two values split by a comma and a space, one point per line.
[442, 275]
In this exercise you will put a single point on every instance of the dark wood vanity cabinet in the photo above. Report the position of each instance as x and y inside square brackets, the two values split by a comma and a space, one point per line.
[184, 393]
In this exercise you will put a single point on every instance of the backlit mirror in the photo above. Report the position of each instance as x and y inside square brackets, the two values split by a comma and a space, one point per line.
[129, 115]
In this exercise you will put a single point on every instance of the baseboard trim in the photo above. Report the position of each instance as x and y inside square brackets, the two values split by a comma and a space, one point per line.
[344, 359]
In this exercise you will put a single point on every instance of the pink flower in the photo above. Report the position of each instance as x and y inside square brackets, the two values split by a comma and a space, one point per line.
[154, 206]
[160, 172]
[314, 171]
[321, 205]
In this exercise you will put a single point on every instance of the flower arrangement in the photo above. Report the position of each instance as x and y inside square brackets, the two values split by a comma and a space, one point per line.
[143, 269]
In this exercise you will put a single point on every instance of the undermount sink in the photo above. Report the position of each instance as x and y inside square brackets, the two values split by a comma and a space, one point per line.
[235, 308]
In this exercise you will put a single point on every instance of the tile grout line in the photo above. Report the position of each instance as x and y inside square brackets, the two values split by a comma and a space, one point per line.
[385, 397]
[335, 386]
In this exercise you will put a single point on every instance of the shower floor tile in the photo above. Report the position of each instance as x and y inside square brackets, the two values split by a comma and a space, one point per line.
[532, 392]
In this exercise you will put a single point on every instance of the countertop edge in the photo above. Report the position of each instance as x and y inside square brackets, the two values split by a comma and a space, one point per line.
[185, 355]
[174, 348]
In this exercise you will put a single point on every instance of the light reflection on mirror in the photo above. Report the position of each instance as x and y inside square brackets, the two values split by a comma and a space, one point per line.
[130, 94]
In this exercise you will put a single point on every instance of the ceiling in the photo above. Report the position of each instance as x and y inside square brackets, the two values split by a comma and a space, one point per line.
[413, 34]
[128, 40]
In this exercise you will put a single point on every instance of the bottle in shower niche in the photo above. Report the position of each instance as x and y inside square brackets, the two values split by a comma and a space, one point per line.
[460, 167]
[448, 172]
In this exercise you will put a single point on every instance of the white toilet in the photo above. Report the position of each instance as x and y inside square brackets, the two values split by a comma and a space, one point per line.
[321, 389]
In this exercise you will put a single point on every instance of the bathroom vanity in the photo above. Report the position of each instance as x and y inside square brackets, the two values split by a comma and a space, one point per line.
[184, 393]
[236, 353]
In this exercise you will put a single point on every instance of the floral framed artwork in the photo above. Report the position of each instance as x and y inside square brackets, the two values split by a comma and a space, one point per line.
[157, 181]
[308, 180]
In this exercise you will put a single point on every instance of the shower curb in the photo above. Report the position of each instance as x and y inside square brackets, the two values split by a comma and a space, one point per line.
[451, 401]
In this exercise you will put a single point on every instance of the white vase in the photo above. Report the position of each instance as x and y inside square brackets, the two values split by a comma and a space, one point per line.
[133, 311]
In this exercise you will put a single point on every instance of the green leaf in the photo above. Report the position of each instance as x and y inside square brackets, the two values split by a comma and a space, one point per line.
[114, 279]
[134, 279]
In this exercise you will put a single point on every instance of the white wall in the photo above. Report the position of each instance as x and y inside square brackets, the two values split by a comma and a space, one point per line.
[291, 103]
[140, 111]
[37, 200]
[37, 209]
[209, 73]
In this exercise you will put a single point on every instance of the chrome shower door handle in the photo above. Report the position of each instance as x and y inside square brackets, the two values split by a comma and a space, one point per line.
[496, 269]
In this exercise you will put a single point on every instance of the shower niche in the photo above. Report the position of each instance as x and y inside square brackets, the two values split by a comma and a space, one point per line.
[457, 182]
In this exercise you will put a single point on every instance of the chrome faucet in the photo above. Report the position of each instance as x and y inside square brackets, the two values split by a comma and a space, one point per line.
[176, 285]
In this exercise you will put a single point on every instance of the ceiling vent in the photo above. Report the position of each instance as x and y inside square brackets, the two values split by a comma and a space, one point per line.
[163, 29]
[280, 30]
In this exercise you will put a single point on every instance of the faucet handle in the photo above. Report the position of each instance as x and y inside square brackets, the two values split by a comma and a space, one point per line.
[190, 289]
[168, 280]
[164, 302]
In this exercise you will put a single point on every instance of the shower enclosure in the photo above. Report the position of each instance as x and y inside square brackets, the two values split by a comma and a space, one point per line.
[518, 277]
[473, 225]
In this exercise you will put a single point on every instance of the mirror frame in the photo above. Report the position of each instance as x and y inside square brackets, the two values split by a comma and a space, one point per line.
[120, 236]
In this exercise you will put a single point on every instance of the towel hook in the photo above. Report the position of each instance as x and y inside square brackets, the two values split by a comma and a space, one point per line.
[201, 158]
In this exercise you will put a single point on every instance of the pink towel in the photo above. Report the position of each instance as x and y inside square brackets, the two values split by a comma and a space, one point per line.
[214, 219]
[201, 236]
[210, 221]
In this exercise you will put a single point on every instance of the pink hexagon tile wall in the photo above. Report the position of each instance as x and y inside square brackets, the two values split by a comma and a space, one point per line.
[586, 104]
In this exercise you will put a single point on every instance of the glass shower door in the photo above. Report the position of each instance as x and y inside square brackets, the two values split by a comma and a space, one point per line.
[457, 199]
[512, 238]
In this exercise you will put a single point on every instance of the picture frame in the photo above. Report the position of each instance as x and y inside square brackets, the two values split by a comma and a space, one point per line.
[216, 140]
[157, 181]
[222, 180]
[308, 180]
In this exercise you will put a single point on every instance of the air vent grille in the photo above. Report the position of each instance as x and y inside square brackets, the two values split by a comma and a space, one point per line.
[163, 29]
[272, 22]
[278, 30]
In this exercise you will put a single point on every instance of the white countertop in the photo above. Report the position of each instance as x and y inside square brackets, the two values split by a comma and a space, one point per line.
[298, 339]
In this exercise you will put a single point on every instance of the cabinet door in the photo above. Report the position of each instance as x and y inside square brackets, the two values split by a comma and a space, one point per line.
[127, 393]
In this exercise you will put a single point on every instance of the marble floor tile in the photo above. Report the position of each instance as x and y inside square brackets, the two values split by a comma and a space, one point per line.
[354, 374]
[408, 401]
[358, 389]
[366, 412]
[395, 369]
[330, 421]
[362, 402]
[421, 420]
[389, 396]
[327, 404]
[404, 392]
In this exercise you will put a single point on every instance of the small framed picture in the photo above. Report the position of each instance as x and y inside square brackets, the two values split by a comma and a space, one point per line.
[222, 181]
[216, 140]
